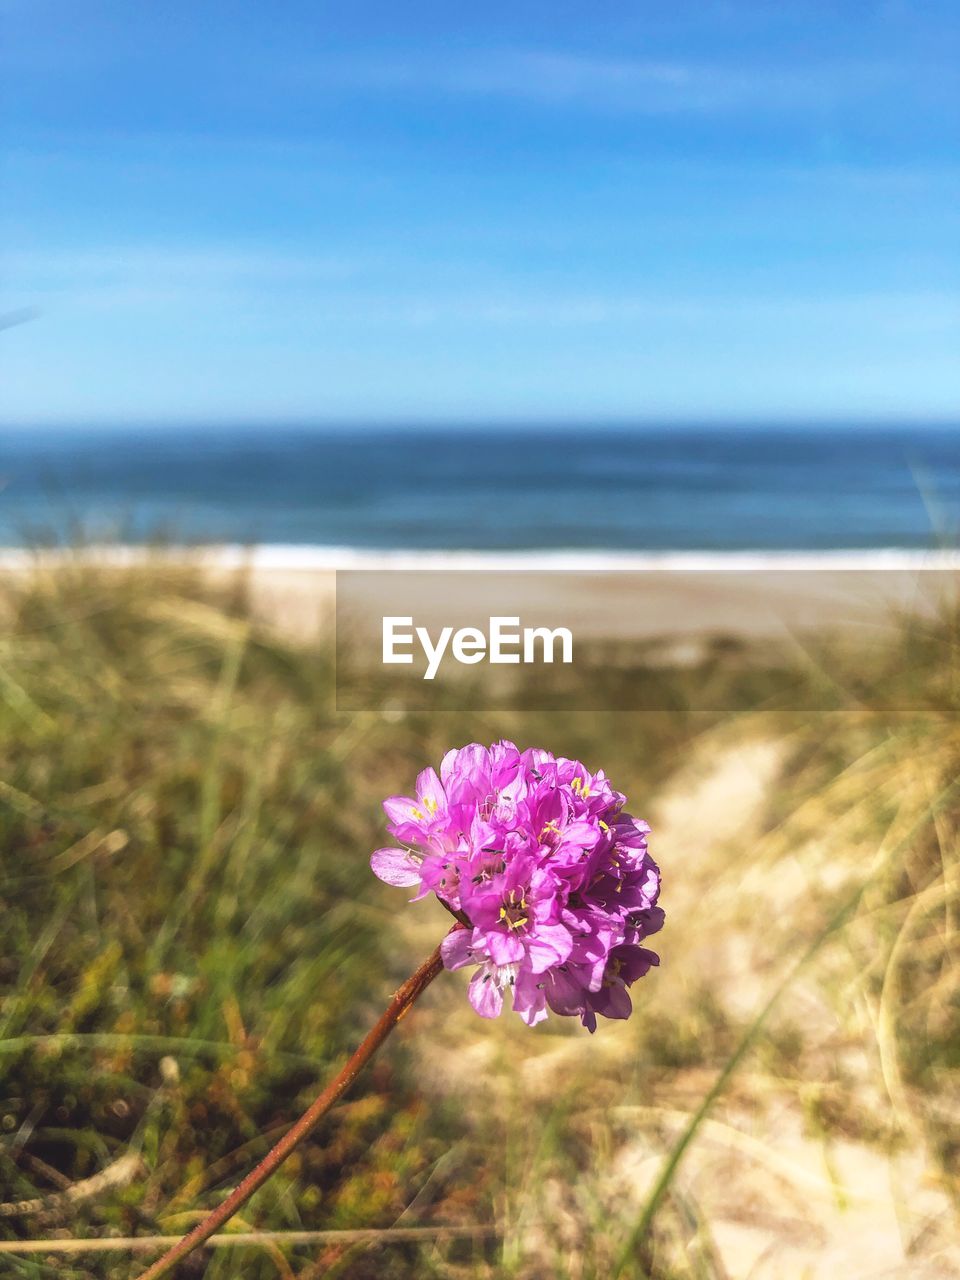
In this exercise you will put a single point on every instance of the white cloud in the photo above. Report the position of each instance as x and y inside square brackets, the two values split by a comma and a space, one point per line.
[630, 84]
[140, 276]
[144, 262]
[330, 290]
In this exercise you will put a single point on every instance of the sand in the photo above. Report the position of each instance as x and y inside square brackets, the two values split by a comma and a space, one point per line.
[620, 596]
[677, 607]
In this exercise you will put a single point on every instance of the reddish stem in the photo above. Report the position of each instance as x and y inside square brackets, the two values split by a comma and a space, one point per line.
[403, 999]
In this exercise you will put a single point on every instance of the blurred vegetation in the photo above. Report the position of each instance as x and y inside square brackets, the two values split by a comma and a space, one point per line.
[192, 941]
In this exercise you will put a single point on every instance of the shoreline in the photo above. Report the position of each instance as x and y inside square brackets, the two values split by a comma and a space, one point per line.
[622, 596]
[309, 557]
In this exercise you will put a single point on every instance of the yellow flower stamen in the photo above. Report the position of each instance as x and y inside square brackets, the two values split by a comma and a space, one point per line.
[510, 911]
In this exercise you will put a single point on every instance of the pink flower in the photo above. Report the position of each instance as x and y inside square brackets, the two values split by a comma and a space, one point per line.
[553, 876]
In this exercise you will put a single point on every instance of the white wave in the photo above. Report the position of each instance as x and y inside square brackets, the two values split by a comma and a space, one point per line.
[318, 558]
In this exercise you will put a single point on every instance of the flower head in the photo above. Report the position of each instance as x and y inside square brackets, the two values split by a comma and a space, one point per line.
[551, 876]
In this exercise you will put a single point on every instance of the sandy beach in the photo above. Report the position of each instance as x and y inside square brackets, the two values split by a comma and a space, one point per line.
[602, 596]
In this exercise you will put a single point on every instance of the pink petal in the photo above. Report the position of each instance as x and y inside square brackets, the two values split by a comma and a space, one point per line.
[485, 996]
[533, 1014]
[564, 993]
[529, 999]
[581, 832]
[504, 948]
[399, 808]
[429, 788]
[618, 1004]
[457, 949]
[549, 945]
[448, 764]
[396, 867]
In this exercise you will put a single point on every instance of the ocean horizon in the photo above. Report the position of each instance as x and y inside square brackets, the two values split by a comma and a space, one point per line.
[642, 496]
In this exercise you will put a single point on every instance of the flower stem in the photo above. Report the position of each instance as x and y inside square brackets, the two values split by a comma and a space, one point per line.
[402, 1001]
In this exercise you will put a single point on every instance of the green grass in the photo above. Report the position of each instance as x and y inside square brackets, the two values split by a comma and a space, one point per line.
[192, 940]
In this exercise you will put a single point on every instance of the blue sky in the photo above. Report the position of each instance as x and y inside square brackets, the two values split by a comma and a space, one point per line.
[515, 210]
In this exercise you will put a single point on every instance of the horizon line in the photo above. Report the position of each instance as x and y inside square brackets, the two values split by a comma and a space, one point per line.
[854, 421]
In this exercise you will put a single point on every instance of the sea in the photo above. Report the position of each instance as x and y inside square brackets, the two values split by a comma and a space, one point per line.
[588, 489]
